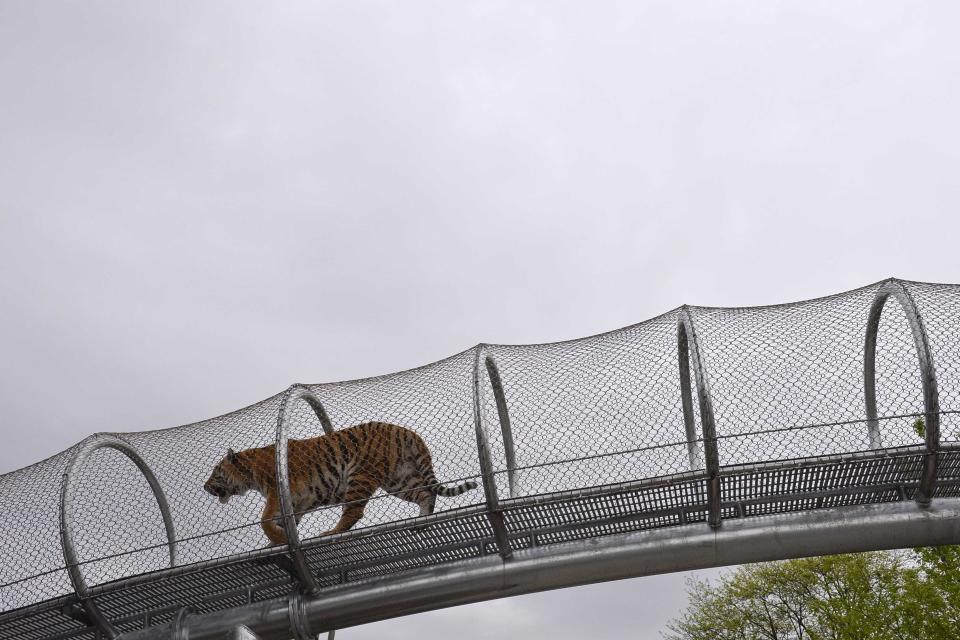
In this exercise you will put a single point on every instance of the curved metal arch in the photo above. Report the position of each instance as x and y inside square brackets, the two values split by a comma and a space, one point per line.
[688, 349]
[496, 382]
[928, 380]
[67, 488]
[494, 515]
[295, 393]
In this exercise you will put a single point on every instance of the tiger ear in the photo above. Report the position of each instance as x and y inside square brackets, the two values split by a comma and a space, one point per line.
[231, 455]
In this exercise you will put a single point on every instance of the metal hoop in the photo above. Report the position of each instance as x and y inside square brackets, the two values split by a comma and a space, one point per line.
[486, 466]
[294, 393]
[67, 488]
[497, 383]
[928, 380]
[688, 349]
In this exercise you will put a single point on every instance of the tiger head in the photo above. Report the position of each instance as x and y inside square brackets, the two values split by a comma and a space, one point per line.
[229, 478]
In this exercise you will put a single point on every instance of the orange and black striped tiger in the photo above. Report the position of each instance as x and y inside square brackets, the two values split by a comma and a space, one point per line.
[346, 466]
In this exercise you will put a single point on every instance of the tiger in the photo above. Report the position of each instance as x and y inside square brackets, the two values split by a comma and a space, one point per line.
[344, 467]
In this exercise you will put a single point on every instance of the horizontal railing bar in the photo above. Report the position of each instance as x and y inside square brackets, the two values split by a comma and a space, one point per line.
[823, 493]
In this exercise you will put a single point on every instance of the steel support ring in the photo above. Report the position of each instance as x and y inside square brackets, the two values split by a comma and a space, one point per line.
[67, 487]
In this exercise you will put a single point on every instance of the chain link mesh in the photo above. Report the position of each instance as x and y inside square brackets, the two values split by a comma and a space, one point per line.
[787, 380]
[786, 384]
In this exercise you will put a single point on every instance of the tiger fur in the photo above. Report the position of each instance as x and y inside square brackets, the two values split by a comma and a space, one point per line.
[346, 466]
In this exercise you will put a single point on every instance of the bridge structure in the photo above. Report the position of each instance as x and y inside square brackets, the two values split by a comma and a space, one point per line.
[702, 437]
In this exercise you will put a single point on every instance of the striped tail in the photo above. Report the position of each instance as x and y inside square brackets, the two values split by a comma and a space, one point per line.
[450, 492]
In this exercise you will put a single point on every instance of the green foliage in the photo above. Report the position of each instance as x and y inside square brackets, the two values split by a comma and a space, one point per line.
[920, 428]
[911, 595]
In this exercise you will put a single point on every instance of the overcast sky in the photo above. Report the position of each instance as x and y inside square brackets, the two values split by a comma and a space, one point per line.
[201, 203]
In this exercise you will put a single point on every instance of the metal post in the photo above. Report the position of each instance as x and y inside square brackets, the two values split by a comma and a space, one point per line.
[688, 350]
[295, 393]
[928, 380]
[67, 489]
[486, 467]
[497, 383]
[686, 399]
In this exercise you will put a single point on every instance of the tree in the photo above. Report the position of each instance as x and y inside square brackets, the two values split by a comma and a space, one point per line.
[911, 595]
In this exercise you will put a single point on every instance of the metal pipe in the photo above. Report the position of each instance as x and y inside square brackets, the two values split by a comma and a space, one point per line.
[928, 380]
[494, 515]
[295, 393]
[67, 488]
[819, 532]
[688, 350]
[497, 383]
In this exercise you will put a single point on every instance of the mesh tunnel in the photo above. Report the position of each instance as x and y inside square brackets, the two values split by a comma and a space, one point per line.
[697, 416]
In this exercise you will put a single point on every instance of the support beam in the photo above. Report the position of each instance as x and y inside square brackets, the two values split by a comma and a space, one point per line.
[758, 539]
[928, 380]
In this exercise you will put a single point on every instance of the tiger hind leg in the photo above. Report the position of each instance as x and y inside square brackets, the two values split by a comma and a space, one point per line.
[362, 488]
[427, 502]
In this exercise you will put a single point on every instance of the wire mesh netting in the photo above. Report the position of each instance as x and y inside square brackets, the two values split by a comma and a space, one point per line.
[583, 438]
[787, 381]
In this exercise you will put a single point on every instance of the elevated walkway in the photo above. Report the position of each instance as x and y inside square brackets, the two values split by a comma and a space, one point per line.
[703, 437]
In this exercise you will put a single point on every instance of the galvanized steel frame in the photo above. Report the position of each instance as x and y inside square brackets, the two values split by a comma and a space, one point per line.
[570, 497]
[560, 498]
[615, 557]
[67, 487]
[688, 350]
[928, 378]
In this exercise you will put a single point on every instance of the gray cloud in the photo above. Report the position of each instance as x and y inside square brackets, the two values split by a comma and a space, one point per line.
[200, 203]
